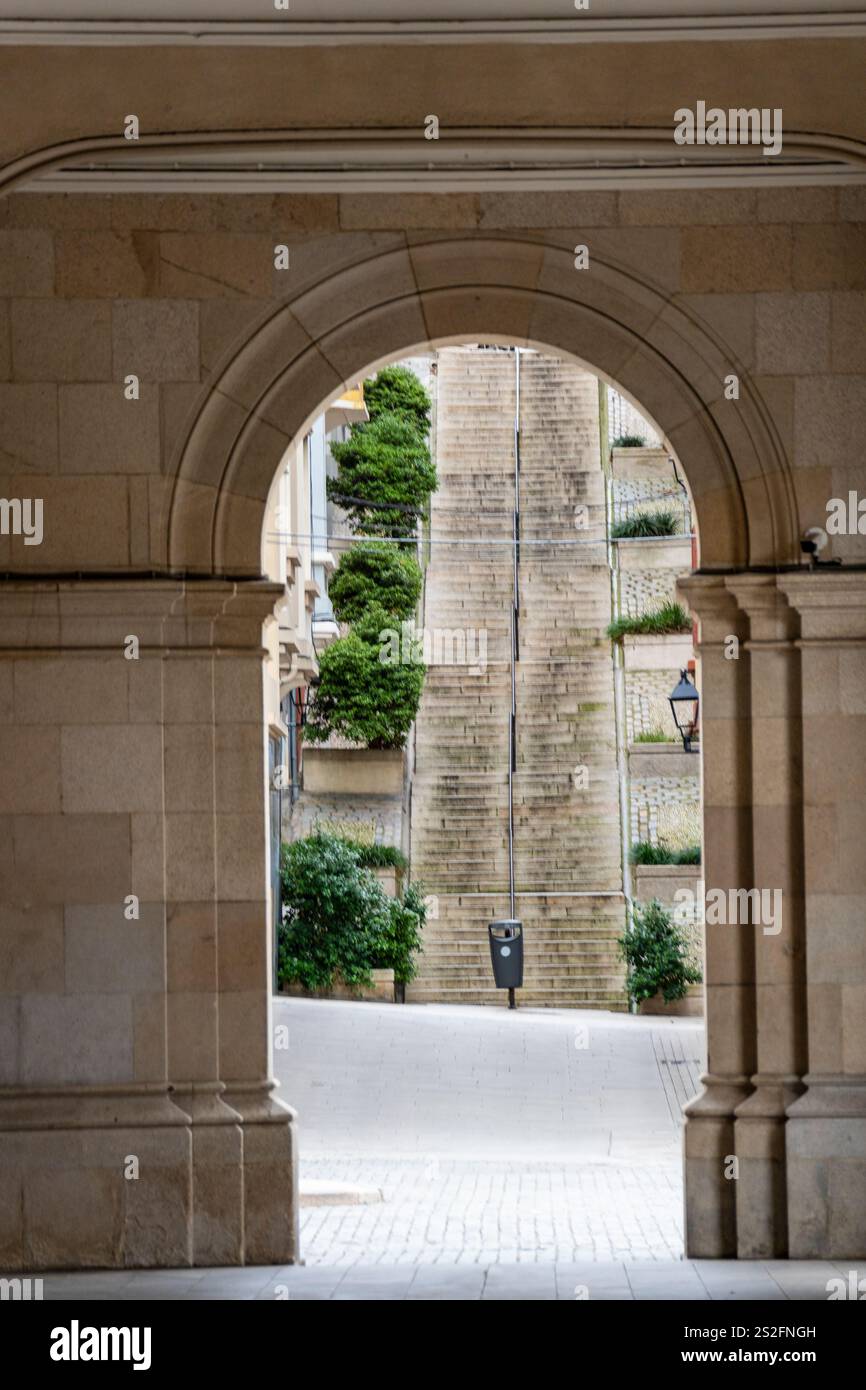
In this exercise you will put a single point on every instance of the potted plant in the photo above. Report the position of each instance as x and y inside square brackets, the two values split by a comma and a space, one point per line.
[658, 969]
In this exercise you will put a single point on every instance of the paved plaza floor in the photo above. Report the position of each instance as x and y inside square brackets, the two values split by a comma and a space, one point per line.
[541, 1136]
[471, 1153]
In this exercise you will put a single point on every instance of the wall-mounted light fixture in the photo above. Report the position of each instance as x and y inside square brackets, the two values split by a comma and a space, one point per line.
[685, 705]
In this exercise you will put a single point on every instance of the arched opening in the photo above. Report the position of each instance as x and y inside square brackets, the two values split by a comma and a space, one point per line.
[308, 351]
[508, 289]
[536, 815]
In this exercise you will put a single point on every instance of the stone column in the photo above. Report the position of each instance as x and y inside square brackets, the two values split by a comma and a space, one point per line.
[710, 1191]
[777, 815]
[826, 1130]
[132, 717]
[245, 951]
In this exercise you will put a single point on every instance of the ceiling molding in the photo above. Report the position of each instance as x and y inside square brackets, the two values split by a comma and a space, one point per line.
[583, 28]
[475, 159]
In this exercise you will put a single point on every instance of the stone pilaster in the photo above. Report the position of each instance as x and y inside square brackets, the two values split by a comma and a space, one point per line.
[134, 917]
[776, 921]
[826, 1129]
[726, 752]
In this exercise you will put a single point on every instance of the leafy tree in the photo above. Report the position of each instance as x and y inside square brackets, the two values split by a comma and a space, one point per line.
[363, 695]
[399, 390]
[385, 461]
[336, 916]
[375, 572]
[656, 955]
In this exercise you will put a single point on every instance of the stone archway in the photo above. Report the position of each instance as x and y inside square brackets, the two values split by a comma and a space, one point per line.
[624, 328]
[187, 1084]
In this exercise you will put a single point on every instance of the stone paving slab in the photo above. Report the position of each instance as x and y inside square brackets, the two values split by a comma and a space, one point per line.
[580, 1281]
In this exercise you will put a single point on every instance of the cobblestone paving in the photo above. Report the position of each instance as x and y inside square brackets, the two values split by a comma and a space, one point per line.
[469, 1213]
[538, 1137]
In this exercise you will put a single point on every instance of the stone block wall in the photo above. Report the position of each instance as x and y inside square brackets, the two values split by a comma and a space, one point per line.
[666, 810]
[171, 289]
[642, 591]
[646, 702]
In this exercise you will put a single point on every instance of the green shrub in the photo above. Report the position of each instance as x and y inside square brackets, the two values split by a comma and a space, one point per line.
[385, 463]
[336, 916]
[398, 389]
[641, 524]
[656, 955]
[629, 441]
[361, 697]
[375, 572]
[654, 736]
[670, 617]
[375, 856]
[402, 939]
[643, 852]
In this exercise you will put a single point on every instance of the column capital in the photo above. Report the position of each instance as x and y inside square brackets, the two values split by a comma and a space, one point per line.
[771, 618]
[710, 600]
[97, 614]
[831, 603]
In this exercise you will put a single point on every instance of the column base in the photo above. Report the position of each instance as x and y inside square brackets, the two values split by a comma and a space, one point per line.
[759, 1139]
[708, 1145]
[94, 1180]
[270, 1174]
[826, 1165]
[217, 1175]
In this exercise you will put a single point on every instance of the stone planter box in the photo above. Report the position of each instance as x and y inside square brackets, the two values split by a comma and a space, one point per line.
[381, 991]
[691, 1006]
[657, 554]
[671, 653]
[663, 880]
[643, 463]
[353, 771]
[662, 760]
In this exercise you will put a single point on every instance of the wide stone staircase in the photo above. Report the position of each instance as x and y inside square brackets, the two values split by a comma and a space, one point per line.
[566, 811]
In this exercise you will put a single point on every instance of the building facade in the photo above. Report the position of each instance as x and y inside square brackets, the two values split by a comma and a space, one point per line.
[145, 601]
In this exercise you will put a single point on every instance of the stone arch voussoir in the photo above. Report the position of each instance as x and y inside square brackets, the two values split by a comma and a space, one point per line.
[388, 302]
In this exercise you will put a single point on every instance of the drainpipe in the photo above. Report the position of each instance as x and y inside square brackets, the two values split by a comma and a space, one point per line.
[620, 722]
[515, 637]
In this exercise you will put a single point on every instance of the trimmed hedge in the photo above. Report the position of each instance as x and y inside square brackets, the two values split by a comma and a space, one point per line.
[375, 572]
[385, 476]
[398, 390]
[359, 695]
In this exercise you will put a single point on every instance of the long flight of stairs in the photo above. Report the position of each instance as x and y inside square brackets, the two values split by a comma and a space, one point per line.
[566, 810]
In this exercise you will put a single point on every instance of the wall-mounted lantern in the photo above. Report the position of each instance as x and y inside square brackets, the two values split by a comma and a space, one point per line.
[685, 704]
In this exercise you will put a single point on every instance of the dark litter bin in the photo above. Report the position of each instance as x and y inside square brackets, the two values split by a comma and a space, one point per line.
[506, 952]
